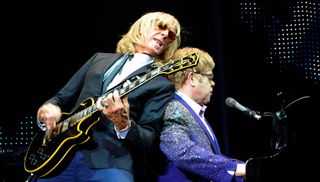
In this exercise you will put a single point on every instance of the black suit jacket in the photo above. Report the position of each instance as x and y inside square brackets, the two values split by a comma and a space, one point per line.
[147, 104]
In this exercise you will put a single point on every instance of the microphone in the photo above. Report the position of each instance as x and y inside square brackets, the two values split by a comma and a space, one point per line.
[233, 103]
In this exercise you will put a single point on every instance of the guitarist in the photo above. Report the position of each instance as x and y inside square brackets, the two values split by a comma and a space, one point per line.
[128, 126]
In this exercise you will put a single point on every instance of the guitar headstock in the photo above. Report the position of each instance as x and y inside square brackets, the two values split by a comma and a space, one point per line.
[180, 64]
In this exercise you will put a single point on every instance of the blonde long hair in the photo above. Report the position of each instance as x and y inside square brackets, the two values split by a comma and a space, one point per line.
[142, 25]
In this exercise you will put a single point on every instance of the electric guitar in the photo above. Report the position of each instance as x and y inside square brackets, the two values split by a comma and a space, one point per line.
[47, 152]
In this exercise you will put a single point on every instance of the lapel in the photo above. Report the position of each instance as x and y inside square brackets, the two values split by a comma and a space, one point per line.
[143, 70]
[115, 71]
[109, 60]
[213, 140]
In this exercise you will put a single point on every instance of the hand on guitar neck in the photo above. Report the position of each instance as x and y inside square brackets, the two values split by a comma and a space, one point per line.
[116, 109]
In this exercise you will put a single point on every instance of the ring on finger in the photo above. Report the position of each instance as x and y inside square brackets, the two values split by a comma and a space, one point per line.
[124, 113]
[104, 104]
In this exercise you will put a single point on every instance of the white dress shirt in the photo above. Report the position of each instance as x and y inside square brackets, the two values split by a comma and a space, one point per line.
[139, 60]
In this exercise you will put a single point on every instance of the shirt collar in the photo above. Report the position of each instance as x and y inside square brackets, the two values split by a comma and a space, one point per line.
[141, 59]
[194, 106]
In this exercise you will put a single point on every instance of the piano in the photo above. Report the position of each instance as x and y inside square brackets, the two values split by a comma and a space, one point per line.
[294, 147]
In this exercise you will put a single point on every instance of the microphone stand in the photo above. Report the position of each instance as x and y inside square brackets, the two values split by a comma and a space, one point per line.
[279, 124]
[280, 138]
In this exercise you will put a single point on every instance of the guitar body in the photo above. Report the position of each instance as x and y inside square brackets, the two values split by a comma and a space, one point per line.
[43, 156]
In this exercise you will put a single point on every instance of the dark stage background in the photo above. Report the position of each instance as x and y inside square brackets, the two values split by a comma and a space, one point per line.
[266, 54]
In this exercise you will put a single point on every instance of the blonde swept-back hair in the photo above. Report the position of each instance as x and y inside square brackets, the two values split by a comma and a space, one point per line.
[139, 29]
[205, 64]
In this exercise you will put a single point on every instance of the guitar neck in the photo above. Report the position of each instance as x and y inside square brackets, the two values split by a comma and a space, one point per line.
[171, 67]
[127, 88]
[123, 91]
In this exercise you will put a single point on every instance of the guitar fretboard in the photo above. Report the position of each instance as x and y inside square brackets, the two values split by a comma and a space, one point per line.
[123, 90]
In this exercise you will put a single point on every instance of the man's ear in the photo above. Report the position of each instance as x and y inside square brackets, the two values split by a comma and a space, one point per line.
[191, 80]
